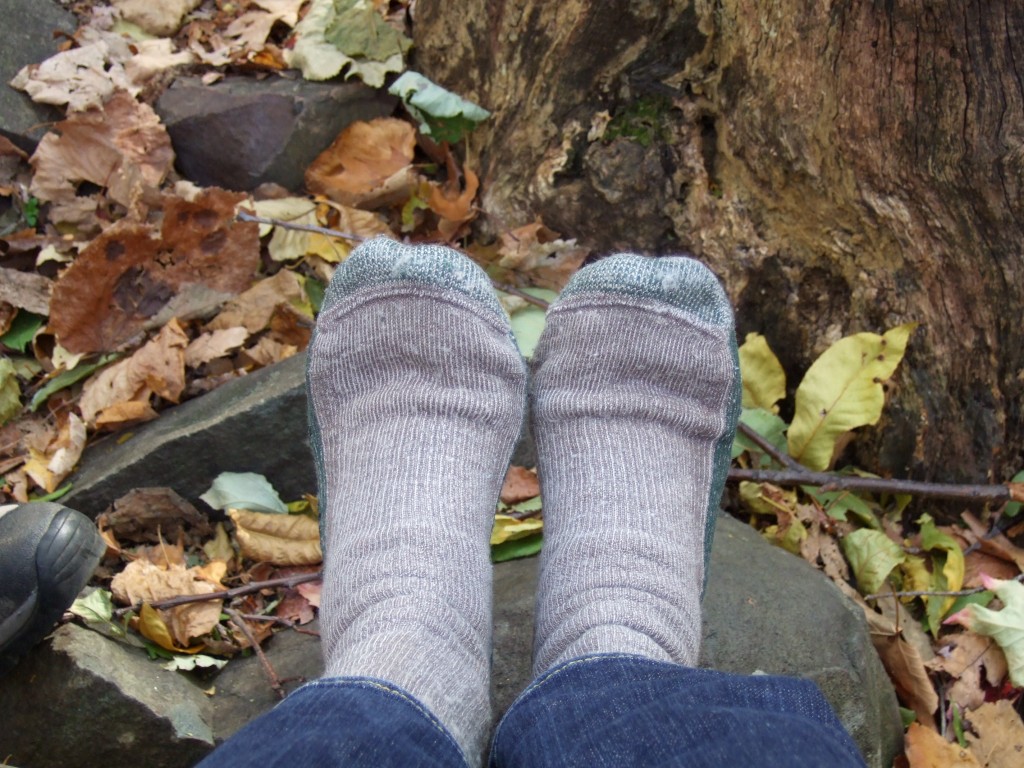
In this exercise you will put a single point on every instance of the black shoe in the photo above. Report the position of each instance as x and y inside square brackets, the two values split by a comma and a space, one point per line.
[47, 554]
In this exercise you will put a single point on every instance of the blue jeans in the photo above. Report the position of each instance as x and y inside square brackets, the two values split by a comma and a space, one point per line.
[606, 710]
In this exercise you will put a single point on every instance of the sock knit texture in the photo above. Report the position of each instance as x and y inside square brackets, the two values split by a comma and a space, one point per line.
[417, 394]
[635, 396]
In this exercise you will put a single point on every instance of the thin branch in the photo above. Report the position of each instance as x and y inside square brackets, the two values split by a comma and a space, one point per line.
[511, 289]
[243, 216]
[294, 625]
[762, 442]
[227, 594]
[828, 481]
[238, 621]
[936, 593]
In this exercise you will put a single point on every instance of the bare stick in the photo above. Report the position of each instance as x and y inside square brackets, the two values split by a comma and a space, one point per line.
[827, 481]
[294, 625]
[227, 594]
[243, 216]
[511, 289]
[936, 593]
[238, 621]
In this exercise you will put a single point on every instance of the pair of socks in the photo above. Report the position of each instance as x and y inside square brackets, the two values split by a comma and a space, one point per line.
[417, 395]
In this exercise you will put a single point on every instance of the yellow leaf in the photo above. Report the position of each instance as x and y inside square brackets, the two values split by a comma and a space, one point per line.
[152, 627]
[927, 749]
[1000, 732]
[508, 528]
[764, 381]
[277, 539]
[219, 547]
[843, 390]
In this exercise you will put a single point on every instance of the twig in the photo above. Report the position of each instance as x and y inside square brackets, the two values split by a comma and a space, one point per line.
[293, 625]
[227, 594]
[238, 621]
[828, 481]
[243, 216]
[511, 289]
[935, 593]
[762, 442]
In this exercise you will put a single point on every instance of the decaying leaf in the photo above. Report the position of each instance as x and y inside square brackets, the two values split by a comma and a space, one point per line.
[997, 739]
[10, 391]
[1006, 626]
[126, 280]
[277, 539]
[214, 345]
[520, 484]
[905, 666]
[369, 165]
[163, 18]
[158, 367]
[947, 573]
[151, 515]
[927, 749]
[254, 308]
[82, 77]
[540, 252]
[970, 658]
[764, 381]
[25, 290]
[443, 115]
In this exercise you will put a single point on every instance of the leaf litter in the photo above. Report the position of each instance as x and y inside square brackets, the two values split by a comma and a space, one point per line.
[126, 290]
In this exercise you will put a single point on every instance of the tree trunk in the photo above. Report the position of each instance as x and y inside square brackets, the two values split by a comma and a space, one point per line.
[843, 166]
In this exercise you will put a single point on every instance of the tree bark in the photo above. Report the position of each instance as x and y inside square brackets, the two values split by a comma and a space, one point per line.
[842, 166]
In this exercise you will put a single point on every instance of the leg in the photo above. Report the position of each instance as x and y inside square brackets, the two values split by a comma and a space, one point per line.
[635, 398]
[417, 394]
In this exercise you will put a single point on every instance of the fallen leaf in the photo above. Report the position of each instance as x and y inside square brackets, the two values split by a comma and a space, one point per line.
[163, 18]
[151, 625]
[443, 115]
[277, 539]
[158, 367]
[126, 281]
[764, 381]
[1006, 626]
[295, 607]
[148, 515]
[927, 749]
[25, 290]
[947, 569]
[126, 414]
[998, 735]
[453, 204]
[121, 147]
[210, 346]
[508, 528]
[872, 556]
[311, 591]
[142, 581]
[368, 165]
[219, 547]
[82, 78]
[47, 469]
[10, 391]
[537, 252]
[842, 390]
[970, 659]
[998, 544]
[905, 667]
[244, 490]
[268, 351]
[254, 308]
[520, 484]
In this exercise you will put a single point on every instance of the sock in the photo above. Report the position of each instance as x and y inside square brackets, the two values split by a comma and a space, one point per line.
[417, 395]
[635, 396]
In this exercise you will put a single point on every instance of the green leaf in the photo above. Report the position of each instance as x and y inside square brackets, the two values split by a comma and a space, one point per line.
[512, 550]
[958, 727]
[528, 320]
[181, 662]
[315, 291]
[10, 391]
[767, 425]
[442, 115]
[947, 569]
[65, 379]
[360, 32]
[872, 556]
[30, 210]
[1012, 509]
[244, 490]
[908, 716]
[764, 381]
[22, 331]
[842, 391]
[1006, 626]
[839, 504]
[975, 598]
[54, 495]
[96, 606]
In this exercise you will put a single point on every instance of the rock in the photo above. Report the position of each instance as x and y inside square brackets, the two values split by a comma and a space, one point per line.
[241, 132]
[28, 39]
[84, 700]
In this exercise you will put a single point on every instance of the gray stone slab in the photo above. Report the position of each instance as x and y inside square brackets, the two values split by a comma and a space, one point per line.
[241, 132]
[28, 39]
[86, 701]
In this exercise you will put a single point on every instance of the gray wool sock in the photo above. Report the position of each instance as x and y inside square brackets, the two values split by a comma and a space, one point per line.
[635, 396]
[417, 394]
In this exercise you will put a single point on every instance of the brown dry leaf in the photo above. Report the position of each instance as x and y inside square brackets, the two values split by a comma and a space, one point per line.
[997, 545]
[277, 539]
[158, 367]
[126, 414]
[251, 30]
[82, 77]
[295, 607]
[147, 515]
[163, 18]
[219, 547]
[311, 591]
[142, 581]
[969, 654]
[453, 204]
[253, 309]
[47, 469]
[210, 346]
[539, 252]
[999, 742]
[927, 749]
[268, 351]
[291, 326]
[520, 484]
[977, 563]
[126, 281]
[369, 165]
[122, 147]
[25, 290]
[906, 669]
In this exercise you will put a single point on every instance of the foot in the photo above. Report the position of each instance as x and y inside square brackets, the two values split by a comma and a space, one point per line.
[635, 396]
[47, 554]
[417, 394]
